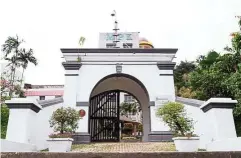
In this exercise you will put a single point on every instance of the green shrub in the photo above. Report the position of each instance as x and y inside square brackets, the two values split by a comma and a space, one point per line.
[4, 120]
[174, 115]
[128, 126]
[64, 120]
[140, 128]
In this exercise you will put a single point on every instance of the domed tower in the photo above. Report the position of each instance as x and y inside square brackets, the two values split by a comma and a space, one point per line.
[145, 44]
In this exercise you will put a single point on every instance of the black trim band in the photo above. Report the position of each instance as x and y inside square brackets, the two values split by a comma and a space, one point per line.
[160, 136]
[122, 50]
[166, 65]
[71, 65]
[218, 105]
[165, 74]
[31, 106]
[47, 103]
[71, 74]
[81, 138]
[84, 103]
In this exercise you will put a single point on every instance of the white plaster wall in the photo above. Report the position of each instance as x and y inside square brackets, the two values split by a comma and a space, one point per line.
[70, 88]
[83, 122]
[156, 122]
[10, 146]
[203, 125]
[21, 120]
[224, 124]
[149, 75]
[231, 144]
[43, 129]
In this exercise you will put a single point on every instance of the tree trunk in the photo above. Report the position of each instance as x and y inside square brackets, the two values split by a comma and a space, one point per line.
[62, 128]
[180, 128]
[13, 80]
[22, 77]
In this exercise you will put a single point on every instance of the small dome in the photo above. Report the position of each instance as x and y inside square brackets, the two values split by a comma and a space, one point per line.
[144, 43]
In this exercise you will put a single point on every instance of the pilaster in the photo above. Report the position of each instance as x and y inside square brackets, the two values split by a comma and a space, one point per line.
[71, 78]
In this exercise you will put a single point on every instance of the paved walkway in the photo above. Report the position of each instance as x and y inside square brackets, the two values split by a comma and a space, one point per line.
[124, 147]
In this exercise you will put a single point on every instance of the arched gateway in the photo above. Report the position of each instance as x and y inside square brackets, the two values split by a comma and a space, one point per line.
[104, 107]
[95, 77]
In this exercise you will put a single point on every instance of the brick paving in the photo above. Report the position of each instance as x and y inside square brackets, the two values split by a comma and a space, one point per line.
[124, 147]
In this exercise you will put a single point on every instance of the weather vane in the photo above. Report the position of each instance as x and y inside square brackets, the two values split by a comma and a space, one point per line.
[115, 41]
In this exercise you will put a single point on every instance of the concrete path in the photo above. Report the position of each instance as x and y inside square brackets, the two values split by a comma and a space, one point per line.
[124, 147]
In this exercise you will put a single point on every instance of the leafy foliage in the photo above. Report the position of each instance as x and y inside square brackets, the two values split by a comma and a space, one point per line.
[128, 126]
[140, 128]
[64, 120]
[127, 129]
[181, 73]
[215, 75]
[16, 57]
[4, 120]
[126, 108]
[174, 115]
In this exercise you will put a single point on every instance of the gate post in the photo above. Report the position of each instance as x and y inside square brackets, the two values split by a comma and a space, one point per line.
[219, 112]
[22, 120]
[70, 86]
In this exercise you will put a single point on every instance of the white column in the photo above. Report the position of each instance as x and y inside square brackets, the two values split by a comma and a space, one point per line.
[71, 79]
[219, 112]
[22, 120]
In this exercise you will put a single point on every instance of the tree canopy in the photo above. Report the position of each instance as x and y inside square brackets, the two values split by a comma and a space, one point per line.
[213, 75]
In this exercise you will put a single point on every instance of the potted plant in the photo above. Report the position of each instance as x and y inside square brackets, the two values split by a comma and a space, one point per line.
[65, 122]
[174, 115]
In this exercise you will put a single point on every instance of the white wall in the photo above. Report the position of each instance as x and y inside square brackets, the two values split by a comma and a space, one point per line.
[43, 129]
[156, 122]
[203, 125]
[19, 119]
[231, 144]
[10, 146]
[70, 88]
[149, 75]
[83, 123]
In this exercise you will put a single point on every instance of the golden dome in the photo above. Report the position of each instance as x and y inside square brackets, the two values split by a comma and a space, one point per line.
[144, 43]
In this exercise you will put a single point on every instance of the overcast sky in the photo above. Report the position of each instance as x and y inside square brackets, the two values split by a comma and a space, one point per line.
[192, 26]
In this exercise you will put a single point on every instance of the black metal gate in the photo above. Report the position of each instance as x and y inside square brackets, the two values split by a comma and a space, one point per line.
[104, 117]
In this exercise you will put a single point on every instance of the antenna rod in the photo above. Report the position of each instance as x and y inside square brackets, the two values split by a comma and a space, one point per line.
[115, 41]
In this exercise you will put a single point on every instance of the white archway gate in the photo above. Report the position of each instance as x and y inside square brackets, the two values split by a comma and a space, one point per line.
[120, 82]
[147, 74]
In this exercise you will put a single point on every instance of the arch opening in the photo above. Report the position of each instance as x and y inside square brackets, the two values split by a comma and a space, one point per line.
[112, 85]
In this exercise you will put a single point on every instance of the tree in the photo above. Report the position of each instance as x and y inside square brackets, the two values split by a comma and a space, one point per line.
[11, 50]
[64, 120]
[26, 57]
[16, 57]
[126, 108]
[174, 115]
[206, 61]
[181, 72]
[216, 75]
